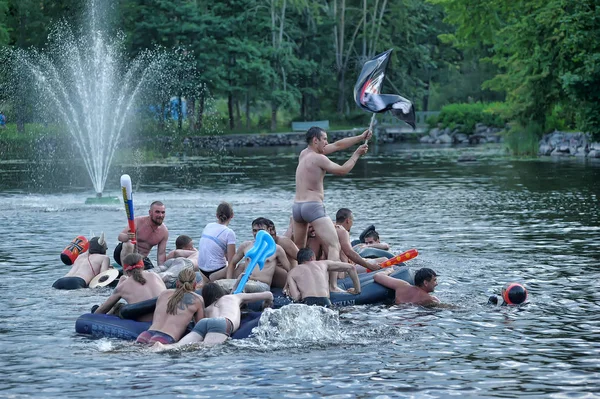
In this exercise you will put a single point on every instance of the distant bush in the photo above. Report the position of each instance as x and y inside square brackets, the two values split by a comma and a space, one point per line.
[468, 115]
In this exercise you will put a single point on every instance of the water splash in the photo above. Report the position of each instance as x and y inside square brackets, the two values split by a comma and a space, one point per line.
[84, 82]
[299, 324]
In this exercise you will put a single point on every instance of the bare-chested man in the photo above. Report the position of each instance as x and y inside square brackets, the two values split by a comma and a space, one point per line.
[134, 286]
[222, 316]
[308, 204]
[291, 250]
[425, 283]
[87, 266]
[150, 231]
[260, 280]
[344, 220]
[308, 282]
[174, 311]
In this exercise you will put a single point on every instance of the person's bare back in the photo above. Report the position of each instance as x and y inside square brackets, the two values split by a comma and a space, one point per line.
[311, 277]
[87, 266]
[133, 292]
[191, 307]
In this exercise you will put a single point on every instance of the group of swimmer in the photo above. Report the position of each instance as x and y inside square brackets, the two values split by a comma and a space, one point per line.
[309, 259]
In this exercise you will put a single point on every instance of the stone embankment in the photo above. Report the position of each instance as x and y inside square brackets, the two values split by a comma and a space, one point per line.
[481, 134]
[253, 140]
[569, 144]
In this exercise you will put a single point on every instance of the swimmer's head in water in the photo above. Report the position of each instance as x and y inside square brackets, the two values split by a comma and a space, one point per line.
[514, 294]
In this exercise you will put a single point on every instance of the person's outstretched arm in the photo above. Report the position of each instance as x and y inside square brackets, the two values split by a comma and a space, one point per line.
[255, 297]
[109, 303]
[387, 281]
[329, 166]
[334, 266]
[347, 142]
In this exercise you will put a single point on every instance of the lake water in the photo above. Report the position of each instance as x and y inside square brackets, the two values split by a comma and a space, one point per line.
[479, 225]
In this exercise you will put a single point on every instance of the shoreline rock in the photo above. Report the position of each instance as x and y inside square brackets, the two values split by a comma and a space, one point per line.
[575, 144]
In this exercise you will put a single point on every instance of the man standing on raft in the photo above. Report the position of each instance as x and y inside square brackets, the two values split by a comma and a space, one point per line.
[150, 231]
[308, 204]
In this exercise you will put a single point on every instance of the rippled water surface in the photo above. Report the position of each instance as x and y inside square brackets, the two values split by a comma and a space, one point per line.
[478, 224]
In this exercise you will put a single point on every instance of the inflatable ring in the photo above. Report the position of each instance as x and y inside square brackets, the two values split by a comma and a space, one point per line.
[372, 253]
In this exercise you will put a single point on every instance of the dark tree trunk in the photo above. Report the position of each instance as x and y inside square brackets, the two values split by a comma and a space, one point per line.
[273, 116]
[230, 111]
[238, 115]
[179, 113]
[341, 91]
[247, 111]
[200, 119]
[191, 110]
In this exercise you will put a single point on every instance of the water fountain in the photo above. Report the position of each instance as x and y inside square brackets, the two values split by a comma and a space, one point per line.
[89, 88]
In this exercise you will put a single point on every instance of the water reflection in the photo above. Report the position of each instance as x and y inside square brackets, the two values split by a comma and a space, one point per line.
[479, 225]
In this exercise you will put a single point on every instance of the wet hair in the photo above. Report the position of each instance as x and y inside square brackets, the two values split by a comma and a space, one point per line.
[342, 215]
[211, 293]
[422, 275]
[136, 274]
[224, 212]
[313, 132]
[304, 255]
[182, 241]
[261, 222]
[187, 283]
[373, 234]
[270, 226]
[157, 203]
[96, 247]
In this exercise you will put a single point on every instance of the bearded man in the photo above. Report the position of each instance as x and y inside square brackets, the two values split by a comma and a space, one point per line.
[150, 231]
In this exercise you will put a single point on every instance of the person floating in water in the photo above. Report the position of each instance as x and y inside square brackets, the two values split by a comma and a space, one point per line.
[175, 308]
[222, 316]
[512, 294]
[134, 286]
[418, 294]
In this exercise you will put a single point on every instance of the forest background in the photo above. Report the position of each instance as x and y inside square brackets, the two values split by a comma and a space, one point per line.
[257, 65]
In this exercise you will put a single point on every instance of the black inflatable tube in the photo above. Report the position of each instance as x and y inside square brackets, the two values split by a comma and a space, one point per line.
[372, 253]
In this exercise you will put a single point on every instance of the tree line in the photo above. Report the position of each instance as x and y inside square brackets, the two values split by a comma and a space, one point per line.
[301, 58]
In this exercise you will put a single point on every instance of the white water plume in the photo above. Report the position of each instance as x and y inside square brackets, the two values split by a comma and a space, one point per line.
[84, 82]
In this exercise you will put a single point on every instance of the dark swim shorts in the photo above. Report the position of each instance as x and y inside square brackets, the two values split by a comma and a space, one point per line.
[117, 255]
[308, 211]
[316, 301]
[151, 336]
[220, 325]
[69, 283]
